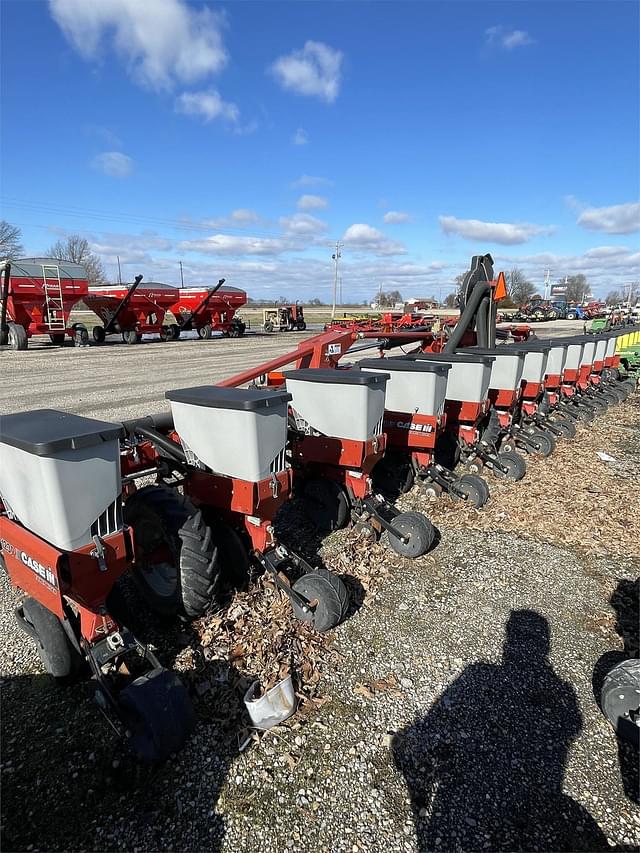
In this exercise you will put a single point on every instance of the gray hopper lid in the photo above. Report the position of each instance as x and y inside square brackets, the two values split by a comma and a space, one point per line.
[454, 357]
[398, 363]
[45, 432]
[495, 351]
[338, 376]
[532, 346]
[216, 397]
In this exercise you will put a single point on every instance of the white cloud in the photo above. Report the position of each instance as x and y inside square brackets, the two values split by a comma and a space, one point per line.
[113, 163]
[493, 232]
[508, 39]
[312, 202]
[207, 105]
[234, 245]
[302, 225]
[396, 217]
[314, 70]
[160, 42]
[242, 217]
[615, 219]
[364, 238]
[300, 137]
[311, 181]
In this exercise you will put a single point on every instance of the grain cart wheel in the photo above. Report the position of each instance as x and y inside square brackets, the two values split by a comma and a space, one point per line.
[474, 487]
[204, 332]
[620, 699]
[58, 338]
[99, 334]
[545, 441]
[419, 530]
[177, 560]
[328, 599]
[328, 504]
[80, 335]
[514, 463]
[17, 337]
[158, 715]
[301, 325]
[268, 326]
[130, 336]
[58, 656]
[566, 426]
[164, 333]
[174, 332]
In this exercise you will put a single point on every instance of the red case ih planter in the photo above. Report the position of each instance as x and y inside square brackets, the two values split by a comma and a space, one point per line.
[37, 296]
[133, 310]
[208, 310]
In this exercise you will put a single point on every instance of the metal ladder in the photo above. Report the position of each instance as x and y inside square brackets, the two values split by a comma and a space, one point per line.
[53, 297]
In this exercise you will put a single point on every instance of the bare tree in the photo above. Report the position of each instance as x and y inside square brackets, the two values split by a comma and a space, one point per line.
[577, 287]
[614, 297]
[451, 299]
[520, 289]
[76, 249]
[10, 240]
[388, 300]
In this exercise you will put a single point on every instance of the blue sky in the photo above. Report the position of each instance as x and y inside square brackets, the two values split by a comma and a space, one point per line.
[244, 138]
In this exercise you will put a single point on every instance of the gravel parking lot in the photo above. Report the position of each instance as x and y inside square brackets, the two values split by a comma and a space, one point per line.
[454, 707]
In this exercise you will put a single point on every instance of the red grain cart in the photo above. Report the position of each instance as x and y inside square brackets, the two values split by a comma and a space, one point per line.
[133, 310]
[208, 310]
[37, 296]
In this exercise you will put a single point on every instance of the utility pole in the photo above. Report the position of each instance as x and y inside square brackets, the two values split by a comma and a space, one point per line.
[181, 277]
[336, 258]
[119, 273]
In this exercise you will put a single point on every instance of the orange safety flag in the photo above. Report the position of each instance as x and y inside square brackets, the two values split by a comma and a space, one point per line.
[501, 288]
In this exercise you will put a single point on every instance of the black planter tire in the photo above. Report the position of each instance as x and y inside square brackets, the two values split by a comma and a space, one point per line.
[59, 658]
[516, 465]
[328, 504]
[545, 441]
[158, 715]
[585, 414]
[620, 699]
[331, 596]
[567, 427]
[420, 531]
[186, 584]
[474, 487]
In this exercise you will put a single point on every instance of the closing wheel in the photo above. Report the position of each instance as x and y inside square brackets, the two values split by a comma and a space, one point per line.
[99, 334]
[620, 699]
[599, 404]
[585, 414]
[620, 390]
[545, 442]
[566, 426]
[609, 397]
[327, 503]
[17, 337]
[158, 715]
[130, 336]
[58, 338]
[80, 335]
[59, 658]
[177, 561]
[328, 600]
[514, 463]
[474, 487]
[419, 530]
[174, 332]
[204, 332]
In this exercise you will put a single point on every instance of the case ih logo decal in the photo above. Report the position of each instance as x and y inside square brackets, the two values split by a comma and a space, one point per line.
[42, 571]
[408, 425]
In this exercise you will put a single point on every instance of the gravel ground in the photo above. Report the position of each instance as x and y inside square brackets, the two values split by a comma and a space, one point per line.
[456, 709]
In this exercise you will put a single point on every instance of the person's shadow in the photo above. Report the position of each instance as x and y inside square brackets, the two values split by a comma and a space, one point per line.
[485, 767]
